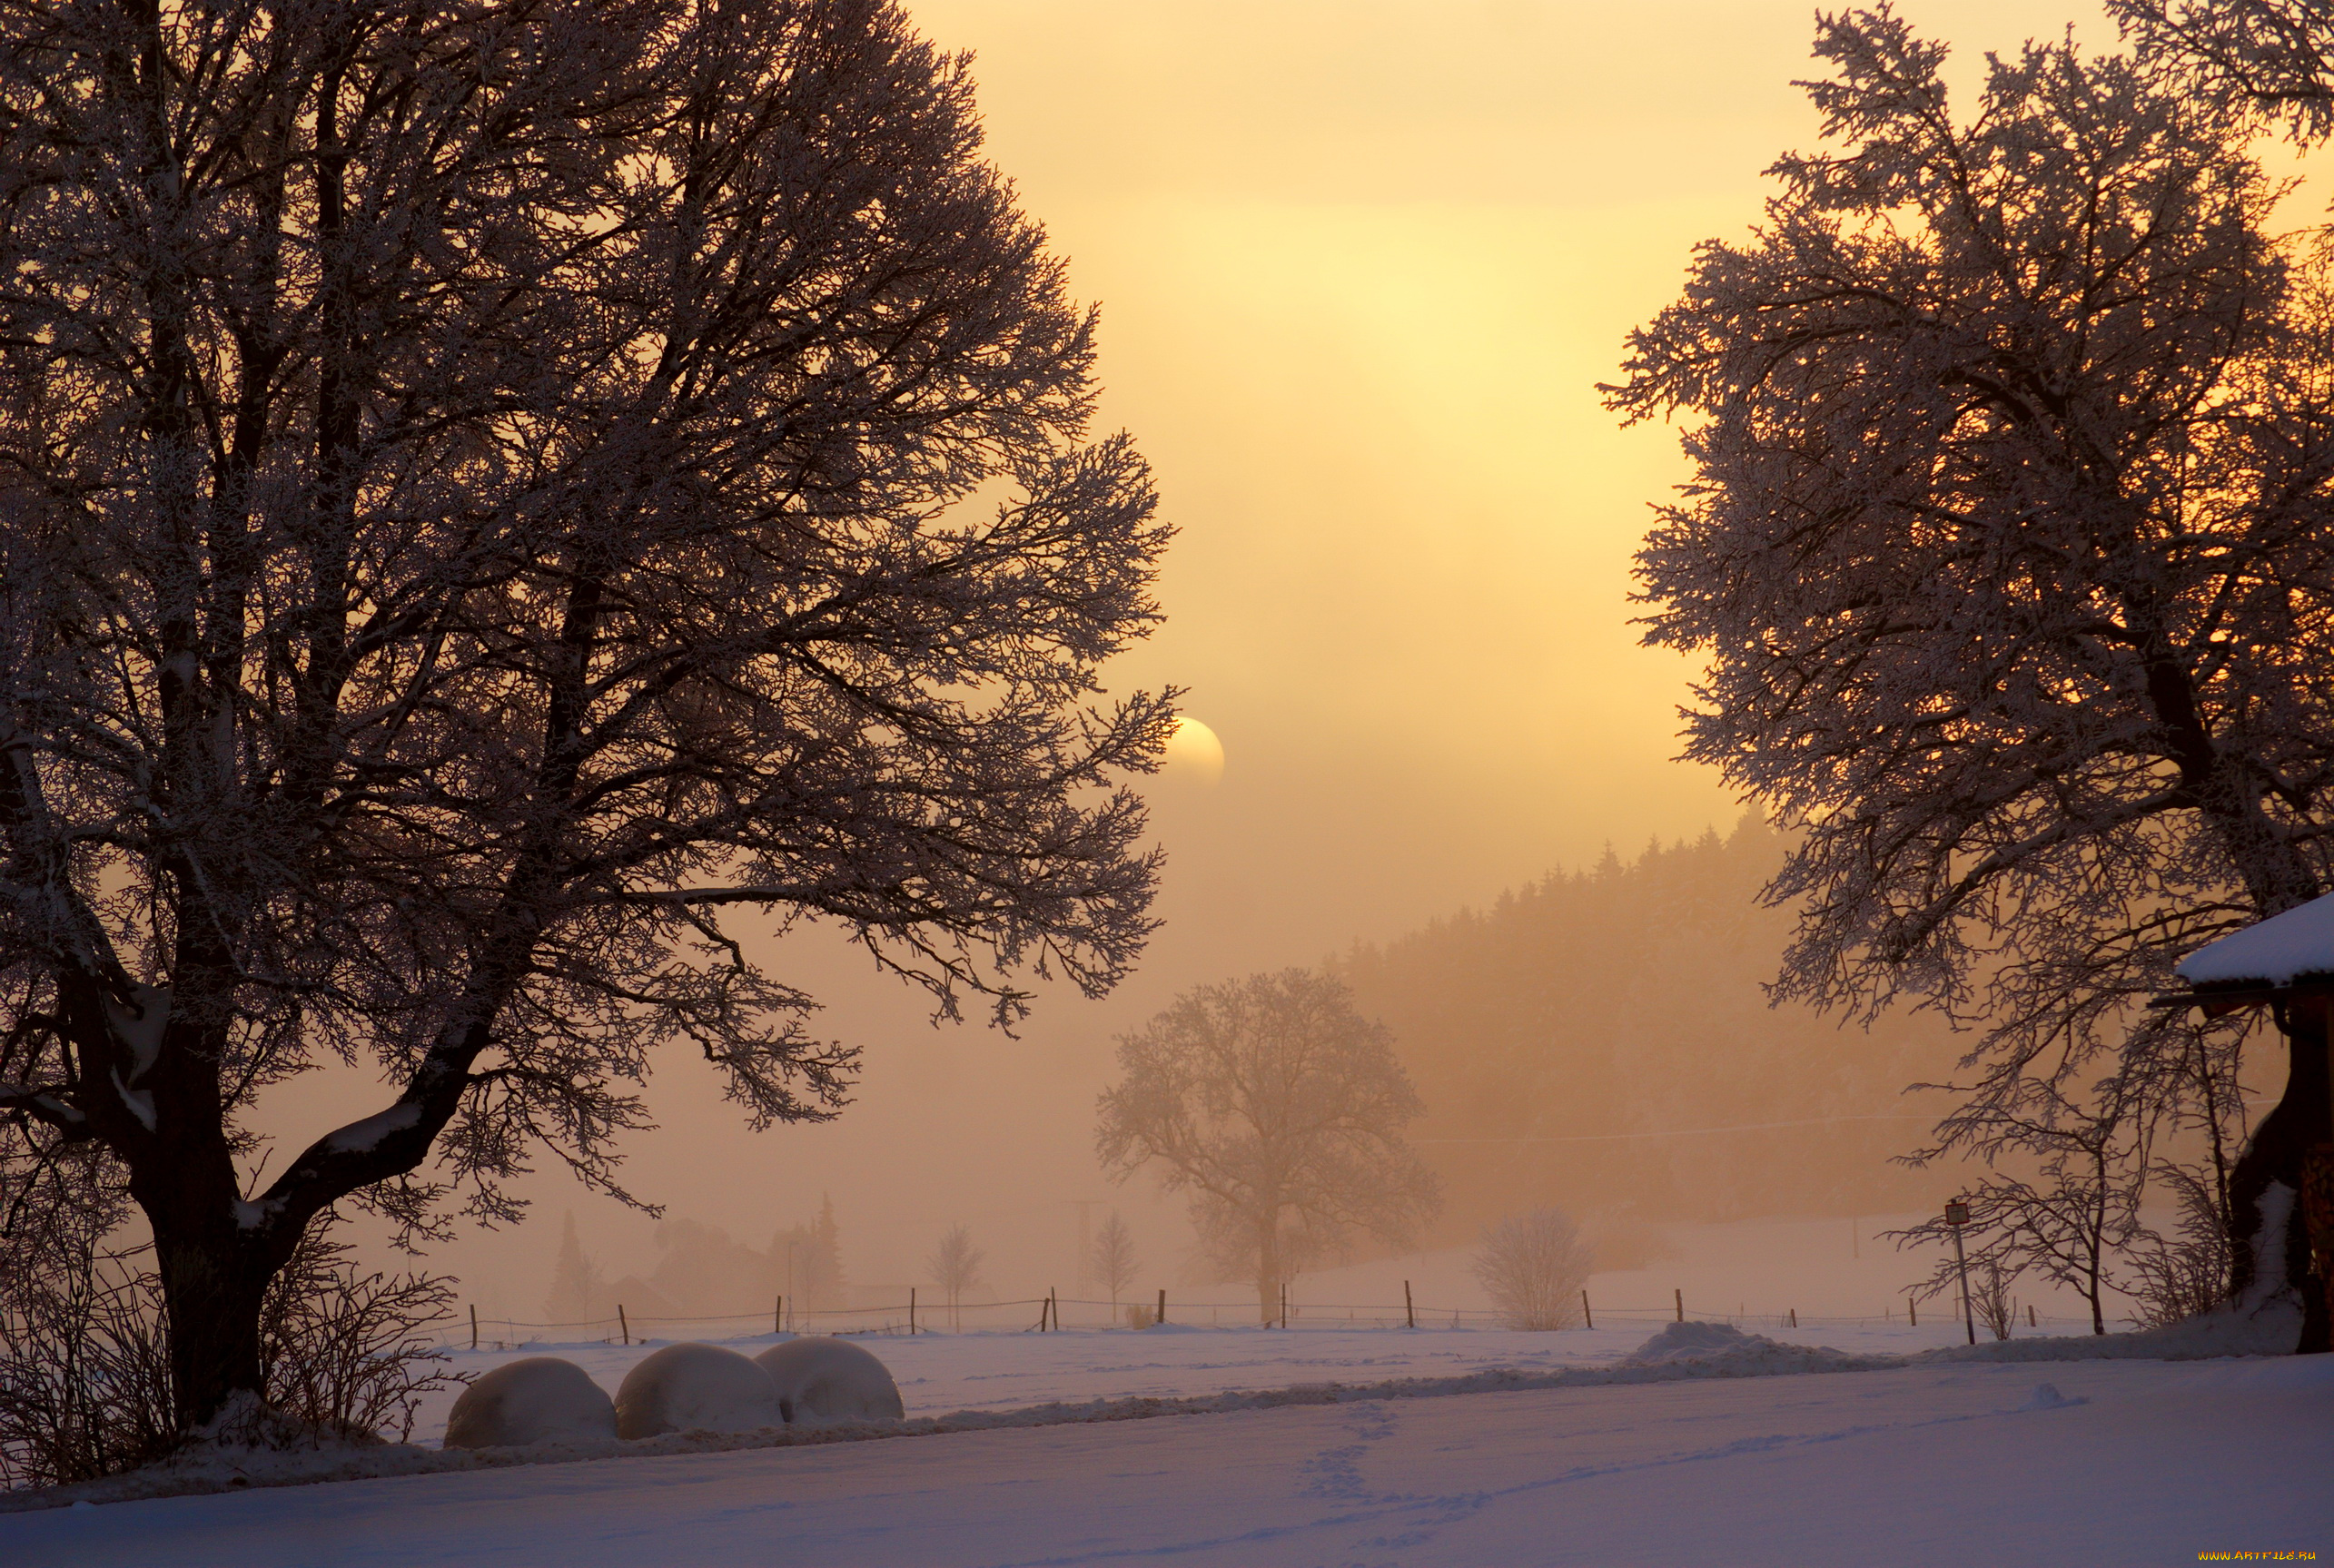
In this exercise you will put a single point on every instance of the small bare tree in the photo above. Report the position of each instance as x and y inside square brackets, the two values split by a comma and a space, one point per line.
[955, 1268]
[1114, 1260]
[2071, 1222]
[1533, 1266]
[1991, 1302]
[1280, 1109]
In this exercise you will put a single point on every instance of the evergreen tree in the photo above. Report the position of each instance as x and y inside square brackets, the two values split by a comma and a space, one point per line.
[576, 1283]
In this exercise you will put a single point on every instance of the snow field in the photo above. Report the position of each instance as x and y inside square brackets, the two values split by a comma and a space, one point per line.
[2123, 1463]
[940, 1373]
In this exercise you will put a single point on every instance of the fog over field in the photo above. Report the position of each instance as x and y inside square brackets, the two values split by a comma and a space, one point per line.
[1362, 267]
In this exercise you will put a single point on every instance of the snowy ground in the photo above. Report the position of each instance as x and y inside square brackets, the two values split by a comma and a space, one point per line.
[2057, 1463]
[2046, 1462]
[940, 1373]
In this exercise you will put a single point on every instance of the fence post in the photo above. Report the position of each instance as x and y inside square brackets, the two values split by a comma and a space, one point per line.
[623, 1323]
[910, 1310]
[1284, 1303]
[1409, 1311]
[2030, 1314]
[1163, 1305]
[1913, 1310]
[1587, 1316]
[1681, 1304]
[1054, 1305]
[473, 1326]
[779, 1316]
[1794, 1318]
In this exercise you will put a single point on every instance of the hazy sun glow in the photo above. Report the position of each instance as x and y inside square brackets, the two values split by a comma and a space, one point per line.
[1194, 751]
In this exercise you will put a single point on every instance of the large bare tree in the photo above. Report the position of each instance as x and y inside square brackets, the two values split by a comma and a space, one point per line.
[494, 493]
[2010, 548]
[1281, 1110]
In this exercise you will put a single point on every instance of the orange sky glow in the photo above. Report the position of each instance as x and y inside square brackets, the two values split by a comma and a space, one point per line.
[1361, 264]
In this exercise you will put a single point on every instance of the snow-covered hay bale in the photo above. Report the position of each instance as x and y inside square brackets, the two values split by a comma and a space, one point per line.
[826, 1379]
[695, 1388]
[541, 1399]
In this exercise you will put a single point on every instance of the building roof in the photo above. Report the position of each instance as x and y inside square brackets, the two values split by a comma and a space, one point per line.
[2280, 951]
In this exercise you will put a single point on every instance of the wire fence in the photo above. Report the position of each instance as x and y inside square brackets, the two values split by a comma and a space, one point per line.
[920, 1314]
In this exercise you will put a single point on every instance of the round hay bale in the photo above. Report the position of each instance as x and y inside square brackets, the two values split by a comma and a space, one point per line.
[827, 1379]
[695, 1388]
[541, 1399]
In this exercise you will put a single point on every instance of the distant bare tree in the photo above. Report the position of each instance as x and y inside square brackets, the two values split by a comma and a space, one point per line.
[1533, 1268]
[2011, 551]
[955, 1268]
[1114, 1259]
[1281, 1110]
[490, 495]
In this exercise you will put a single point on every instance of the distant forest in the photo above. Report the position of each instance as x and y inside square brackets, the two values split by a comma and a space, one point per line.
[1626, 1000]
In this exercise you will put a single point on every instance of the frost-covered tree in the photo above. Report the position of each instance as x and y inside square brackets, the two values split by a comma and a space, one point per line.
[2273, 55]
[1114, 1259]
[955, 1268]
[2010, 549]
[504, 504]
[1281, 1110]
[1533, 1266]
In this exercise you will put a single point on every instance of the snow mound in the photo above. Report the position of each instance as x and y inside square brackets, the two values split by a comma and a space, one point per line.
[828, 1379]
[1722, 1350]
[2047, 1397]
[696, 1387]
[541, 1399]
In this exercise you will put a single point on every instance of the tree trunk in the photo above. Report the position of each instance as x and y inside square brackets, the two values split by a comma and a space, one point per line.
[212, 1289]
[1268, 1266]
[2276, 1155]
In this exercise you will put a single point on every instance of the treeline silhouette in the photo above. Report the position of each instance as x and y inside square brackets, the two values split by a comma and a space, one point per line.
[1600, 1041]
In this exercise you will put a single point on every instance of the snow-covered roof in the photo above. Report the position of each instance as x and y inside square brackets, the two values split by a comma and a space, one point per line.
[2278, 952]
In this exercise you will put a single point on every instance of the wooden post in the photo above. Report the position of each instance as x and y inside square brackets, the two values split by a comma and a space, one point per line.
[1587, 1316]
[1913, 1310]
[1163, 1305]
[1794, 1318]
[473, 1326]
[779, 1316]
[623, 1323]
[2030, 1314]
[911, 1309]
[1409, 1311]
[1681, 1304]
[1053, 1304]
[1284, 1303]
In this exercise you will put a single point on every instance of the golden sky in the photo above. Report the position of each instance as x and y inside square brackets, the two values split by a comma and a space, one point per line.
[1361, 263]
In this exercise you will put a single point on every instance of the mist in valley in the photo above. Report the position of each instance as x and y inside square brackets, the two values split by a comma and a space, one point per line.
[1357, 331]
